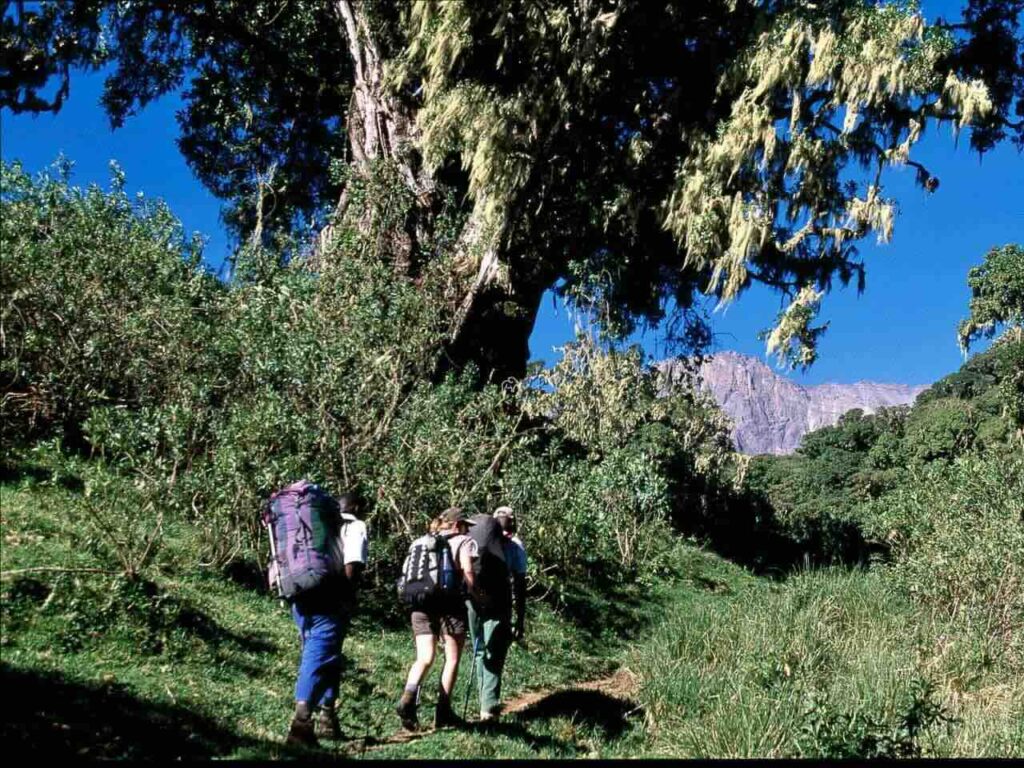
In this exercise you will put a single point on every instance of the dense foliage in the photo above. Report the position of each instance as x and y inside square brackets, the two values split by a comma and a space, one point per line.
[935, 491]
[154, 406]
[997, 302]
[181, 400]
[456, 160]
[818, 493]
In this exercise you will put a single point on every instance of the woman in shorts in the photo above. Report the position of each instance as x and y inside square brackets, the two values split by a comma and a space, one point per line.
[446, 620]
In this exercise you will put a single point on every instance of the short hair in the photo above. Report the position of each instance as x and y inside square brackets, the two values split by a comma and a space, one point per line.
[349, 502]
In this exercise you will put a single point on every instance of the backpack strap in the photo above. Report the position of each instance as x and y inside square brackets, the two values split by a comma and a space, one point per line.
[464, 585]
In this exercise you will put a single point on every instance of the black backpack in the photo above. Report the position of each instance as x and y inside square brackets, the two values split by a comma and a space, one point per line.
[428, 573]
[490, 569]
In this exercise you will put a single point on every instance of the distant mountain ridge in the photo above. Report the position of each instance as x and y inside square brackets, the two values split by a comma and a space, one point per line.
[771, 414]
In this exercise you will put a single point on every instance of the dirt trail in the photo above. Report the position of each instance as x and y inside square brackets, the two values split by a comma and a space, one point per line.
[622, 684]
[619, 686]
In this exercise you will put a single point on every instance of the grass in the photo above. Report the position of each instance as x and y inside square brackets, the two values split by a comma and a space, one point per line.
[188, 663]
[198, 656]
[831, 663]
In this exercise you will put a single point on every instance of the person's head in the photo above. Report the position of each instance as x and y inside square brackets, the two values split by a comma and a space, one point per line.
[506, 519]
[454, 519]
[348, 504]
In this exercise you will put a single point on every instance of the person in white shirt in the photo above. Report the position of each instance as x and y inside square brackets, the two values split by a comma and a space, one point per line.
[323, 615]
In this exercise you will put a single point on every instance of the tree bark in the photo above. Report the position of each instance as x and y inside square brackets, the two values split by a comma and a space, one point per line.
[495, 332]
[380, 127]
[492, 322]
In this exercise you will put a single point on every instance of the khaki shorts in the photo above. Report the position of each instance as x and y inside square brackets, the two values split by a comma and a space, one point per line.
[448, 622]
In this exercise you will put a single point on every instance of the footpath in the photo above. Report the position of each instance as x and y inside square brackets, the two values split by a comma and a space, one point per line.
[606, 701]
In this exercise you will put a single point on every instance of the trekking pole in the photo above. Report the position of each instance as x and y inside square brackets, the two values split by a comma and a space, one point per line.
[275, 564]
[472, 678]
[506, 678]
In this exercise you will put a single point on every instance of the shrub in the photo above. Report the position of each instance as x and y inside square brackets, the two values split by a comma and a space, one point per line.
[957, 538]
[104, 301]
[941, 429]
[629, 444]
[197, 398]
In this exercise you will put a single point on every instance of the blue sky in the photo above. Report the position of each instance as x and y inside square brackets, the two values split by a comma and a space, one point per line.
[901, 329]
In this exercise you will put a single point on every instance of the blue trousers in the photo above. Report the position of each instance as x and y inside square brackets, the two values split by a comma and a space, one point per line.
[321, 634]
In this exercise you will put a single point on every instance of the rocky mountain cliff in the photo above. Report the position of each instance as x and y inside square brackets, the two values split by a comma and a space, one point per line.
[770, 413]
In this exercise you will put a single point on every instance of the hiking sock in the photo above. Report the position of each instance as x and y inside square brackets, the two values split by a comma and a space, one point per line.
[302, 730]
[491, 714]
[406, 709]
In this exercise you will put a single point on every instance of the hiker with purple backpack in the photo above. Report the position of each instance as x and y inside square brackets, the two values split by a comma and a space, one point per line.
[318, 549]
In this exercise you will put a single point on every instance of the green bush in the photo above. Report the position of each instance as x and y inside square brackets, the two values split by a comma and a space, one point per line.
[198, 398]
[105, 302]
[957, 537]
[941, 430]
[628, 446]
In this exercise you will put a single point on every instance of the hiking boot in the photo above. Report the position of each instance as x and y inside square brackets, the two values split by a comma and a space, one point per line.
[490, 715]
[406, 711]
[302, 731]
[327, 724]
[444, 715]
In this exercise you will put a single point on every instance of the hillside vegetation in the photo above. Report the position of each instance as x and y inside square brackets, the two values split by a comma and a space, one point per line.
[148, 407]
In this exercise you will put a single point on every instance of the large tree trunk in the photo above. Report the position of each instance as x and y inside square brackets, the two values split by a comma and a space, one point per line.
[381, 127]
[496, 332]
[492, 320]
[379, 124]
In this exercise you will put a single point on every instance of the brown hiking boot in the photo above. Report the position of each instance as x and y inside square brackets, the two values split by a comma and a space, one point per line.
[444, 715]
[302, 731]
[406, 711]
[327, 724]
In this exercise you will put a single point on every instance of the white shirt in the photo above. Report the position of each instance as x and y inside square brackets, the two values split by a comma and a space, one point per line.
[352, 544]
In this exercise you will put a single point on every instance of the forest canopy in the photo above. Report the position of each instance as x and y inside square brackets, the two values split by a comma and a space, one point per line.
[641, 154]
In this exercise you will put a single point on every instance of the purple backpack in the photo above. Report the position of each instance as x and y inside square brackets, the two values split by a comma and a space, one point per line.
[301, 519]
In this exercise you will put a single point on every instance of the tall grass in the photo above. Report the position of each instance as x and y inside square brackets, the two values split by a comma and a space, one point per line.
[828, 664]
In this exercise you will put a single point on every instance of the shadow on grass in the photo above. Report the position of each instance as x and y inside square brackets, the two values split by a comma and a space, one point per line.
[584, 707]
[51, 717]
[19, 471]
[154, 620]
[512, 729]
[247, 574]
[157, 610]
[516, 729]
[744, 527]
